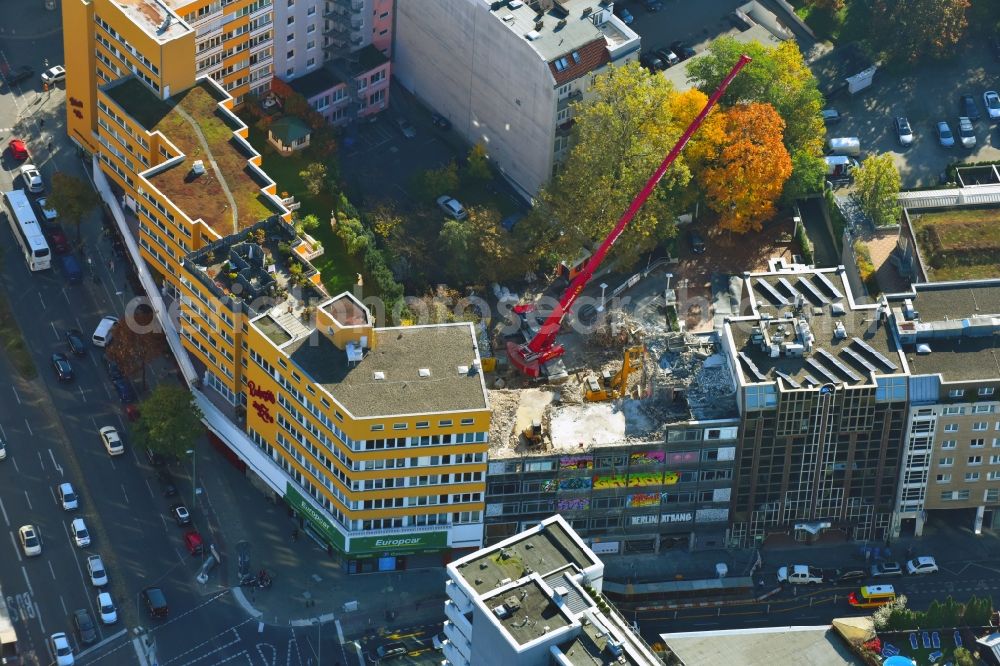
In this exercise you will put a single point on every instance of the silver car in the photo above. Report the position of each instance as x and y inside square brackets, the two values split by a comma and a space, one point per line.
[945, 137]
[966, 132]
[992, 101]
[903, 131]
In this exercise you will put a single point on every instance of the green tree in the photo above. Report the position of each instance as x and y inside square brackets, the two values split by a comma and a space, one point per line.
[477, 166]
[963, 657]
[306, 224]
[314, 178]
[877, 190]
[920, 29]
[353, 234]
[951, 613]
[456, 243]
[778, 76]
[71, 198]
[430, 184]
[169, 421]
[620, 136]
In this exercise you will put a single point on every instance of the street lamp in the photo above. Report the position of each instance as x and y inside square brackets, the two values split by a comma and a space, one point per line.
[603, 287]
[194, 476]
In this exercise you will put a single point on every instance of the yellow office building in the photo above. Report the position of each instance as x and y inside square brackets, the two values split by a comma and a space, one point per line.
[376, 437]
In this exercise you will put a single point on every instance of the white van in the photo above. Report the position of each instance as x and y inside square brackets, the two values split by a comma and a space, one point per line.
[102, 334]
[846, 145]
[840, 166]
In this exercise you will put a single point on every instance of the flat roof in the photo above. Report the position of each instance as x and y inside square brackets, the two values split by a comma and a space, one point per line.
[399, 354]
[315, 82]
[774, 646]
[678, 74]
[541, 550]
[555, 38]
[590, 648]
[157, 19]
[848, 341]
[530, 611]
[192, 121]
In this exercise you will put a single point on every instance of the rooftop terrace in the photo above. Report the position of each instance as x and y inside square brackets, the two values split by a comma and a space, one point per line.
[155, 18]
[529, 611]
[409, 370]
[195, 124]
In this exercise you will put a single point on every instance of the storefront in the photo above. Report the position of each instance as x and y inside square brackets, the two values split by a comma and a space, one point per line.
[313, 522]
[395, 552]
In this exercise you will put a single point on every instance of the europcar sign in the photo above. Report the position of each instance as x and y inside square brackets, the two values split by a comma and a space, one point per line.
[397, 544]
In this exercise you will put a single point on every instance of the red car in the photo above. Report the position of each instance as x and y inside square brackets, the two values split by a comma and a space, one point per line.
[18, 149]
[193, 543]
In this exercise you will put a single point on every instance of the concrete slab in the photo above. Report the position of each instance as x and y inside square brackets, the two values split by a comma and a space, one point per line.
[587, 425]
[531, 407]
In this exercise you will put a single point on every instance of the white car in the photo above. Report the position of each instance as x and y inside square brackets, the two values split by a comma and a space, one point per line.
[966, 132]
[32, 178]
[67, 497]
[95, 567]
[108, 612]
[54, 74]
[31, 542]
[451, 206]
[992, 101]
[61, 649]
[3, 450]
[921, 565]
[81, 536]
[112, 442]
[48, 213]
[800, 574]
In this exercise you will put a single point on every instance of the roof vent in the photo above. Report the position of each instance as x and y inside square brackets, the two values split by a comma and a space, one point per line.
[515, 4]
[424, 372]
[198, 168]
[508, 18]
[837, 308]
[923, 348]
[378, 375]
[463, 369]
[533, 35]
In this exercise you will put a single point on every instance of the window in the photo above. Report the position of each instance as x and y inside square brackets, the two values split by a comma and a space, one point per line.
[446, 423]
[982, 409]
[946, 462]
[311, 29]
[561, 64]
[986, 390]
[956, 393]
[975, 460]
[993, 495]
[399, 426]
[467, 422]
[290, 72]
[423, 424]
[977, 443]
[311, 62]
[980, 426]
[972, 476]
[954, 495]
[576, 57]
[993, 476]
[290, 37]
[951, 427]
[953, 411]
[291, 20]
[949, 443]
[995, 460]
[944, 478]
[311, 11]
[310, 45]
[377, 427]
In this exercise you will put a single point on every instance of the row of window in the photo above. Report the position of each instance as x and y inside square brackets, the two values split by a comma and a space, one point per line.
[992, 495]
[948, 461]
[975, 443]
[127, 46]
[982, 391]
[978, 426]
[969, 477]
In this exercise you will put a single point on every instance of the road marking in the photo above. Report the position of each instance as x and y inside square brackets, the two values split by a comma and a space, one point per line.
[83, 396]
[27, 580]
[151, 493]
[16, 395]
[125, 493]
[28, 499]
[3, 433]
[16, 468]
[4, 511]
[30, 431]
[17, 549]
[54, 330]
[38, 612]
[63, 602]
[52, 570]
[42, 301]
[66, 296]
[55, 464]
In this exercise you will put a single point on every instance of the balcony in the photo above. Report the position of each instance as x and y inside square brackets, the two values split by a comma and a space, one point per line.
[454, 656]
[457, 595]
[341, 8]
[462, 624]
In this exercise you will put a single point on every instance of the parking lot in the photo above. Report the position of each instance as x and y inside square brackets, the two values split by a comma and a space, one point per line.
[925, 95]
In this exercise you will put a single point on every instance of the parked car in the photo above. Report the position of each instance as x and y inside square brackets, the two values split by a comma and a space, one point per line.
[61, 649]
[74, 340]
[992, 101]
[54, 234]
[968, 108]
[945, 137]
[54, 74]
[62, 367]
[106, 608]
[104, 331]
[193, 542]
[17, 149]
[682, 50]
[126, 393]
[112, 441]
[652, 62]
[390, 650]
[156, 602]
[966, 132]
[903, 131]
[3, 449]
[451, 207]
[800, 574]
[18, 74]
[652, 5]
[921, 565]
[67, 497]
[81, 536]
[846, 576]
[886, 570]
[697, 241]
[31, 541]
[155, 458]
[167, 485]
[86, 632]
[95, 569]
[180, 514]
[830, 116]
[32, 178]
[667, 56]
[407, 128]
[440, 121]
[622, 12]
[114, 372]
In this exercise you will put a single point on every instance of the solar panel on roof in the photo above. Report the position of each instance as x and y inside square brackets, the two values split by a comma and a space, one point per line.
[858, 358]
[812, 381]
[812, 292]
[788, 378]
[752, 367]
[788, 287]
[835, 362]
[771, 292]
[823, 371]
[830, 288]
[889, 365]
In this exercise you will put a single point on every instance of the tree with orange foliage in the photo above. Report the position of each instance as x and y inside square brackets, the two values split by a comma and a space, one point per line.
[745, 177]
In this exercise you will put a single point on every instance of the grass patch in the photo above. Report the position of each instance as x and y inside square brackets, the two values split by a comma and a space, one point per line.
[338, 269]
[959, 244]
[12, 341]
[850, 24]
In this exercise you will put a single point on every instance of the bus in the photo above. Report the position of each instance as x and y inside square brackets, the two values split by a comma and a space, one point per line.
[871, 596]
[8, 637]
[27, 231]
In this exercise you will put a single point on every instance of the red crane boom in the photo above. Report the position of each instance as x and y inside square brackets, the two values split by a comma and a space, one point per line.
[542, 347]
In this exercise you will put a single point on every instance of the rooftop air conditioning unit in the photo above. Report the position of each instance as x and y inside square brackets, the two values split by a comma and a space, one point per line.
[515, 4]
[198, 168]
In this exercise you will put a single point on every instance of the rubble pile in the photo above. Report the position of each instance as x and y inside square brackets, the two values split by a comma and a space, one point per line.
[503, 433]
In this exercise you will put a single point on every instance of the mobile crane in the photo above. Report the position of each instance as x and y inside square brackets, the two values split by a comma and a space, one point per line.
[541, 347]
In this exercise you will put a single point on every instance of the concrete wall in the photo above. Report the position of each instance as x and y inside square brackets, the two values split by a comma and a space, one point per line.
[290, 68]
[467, 65]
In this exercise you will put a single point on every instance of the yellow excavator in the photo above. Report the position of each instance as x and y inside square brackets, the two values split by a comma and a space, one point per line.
[611, 387]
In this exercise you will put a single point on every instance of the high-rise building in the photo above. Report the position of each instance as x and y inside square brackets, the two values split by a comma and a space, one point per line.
[376, 437]
[535, 599]
[506, 74]
[823, 397]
